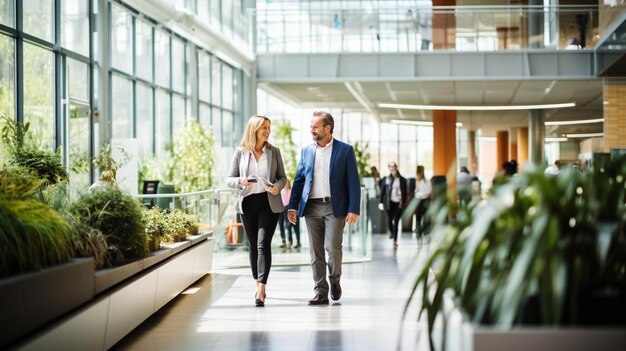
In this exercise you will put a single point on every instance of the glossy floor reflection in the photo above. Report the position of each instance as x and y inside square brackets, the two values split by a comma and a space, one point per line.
[218, 313]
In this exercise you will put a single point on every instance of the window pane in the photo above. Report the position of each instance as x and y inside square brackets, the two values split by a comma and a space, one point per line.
[79, 136]
[216, 82]
[39, 96]
[7, 12]
[162, 59]
[121, 111]
[178, 113]
[7, 76]
[144, 50]
[79, 80]
[227, 128]
[204, 76]
[38, 19]
[178, 65]
[162, 120]
[145, 120]
[227, 87]
[75, 26]
[216, 122]
[121, 39]
[205, 114]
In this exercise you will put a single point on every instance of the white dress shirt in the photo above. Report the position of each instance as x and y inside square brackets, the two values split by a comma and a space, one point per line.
[257, 169]
[321, 171]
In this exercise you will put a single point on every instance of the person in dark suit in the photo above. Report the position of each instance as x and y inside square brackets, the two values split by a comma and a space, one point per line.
[393, 198]
[327, 192]
[259, 174]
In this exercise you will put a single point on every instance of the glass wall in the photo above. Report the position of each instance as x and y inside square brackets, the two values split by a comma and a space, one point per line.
[148, 70]
[408, 145]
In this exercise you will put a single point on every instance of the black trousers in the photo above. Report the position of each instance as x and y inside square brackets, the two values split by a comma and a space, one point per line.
[285, 225]
[393, 218]
[259, 223]
[420, 216]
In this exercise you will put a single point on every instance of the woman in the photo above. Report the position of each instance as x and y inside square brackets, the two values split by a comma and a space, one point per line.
[393, 196]
[258, 172]
[422, 193]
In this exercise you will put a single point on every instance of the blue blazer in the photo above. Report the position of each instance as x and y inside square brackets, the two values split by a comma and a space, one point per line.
[345, 186]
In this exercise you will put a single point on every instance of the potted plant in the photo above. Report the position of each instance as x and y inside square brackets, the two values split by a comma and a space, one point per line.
[156, 226]
[541, 250]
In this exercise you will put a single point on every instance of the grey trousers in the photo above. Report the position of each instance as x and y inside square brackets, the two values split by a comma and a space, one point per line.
[325, 234]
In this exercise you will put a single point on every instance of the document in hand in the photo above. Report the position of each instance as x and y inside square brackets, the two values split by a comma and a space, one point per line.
[266, 182]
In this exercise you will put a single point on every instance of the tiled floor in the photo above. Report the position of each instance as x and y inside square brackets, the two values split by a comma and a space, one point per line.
[219, 313]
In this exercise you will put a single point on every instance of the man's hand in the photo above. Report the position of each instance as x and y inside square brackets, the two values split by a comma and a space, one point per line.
[292, 216]
[351, 218]
[381, 206]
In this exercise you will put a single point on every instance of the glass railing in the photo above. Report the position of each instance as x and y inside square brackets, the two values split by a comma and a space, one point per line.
[454, 28]
[216, 211]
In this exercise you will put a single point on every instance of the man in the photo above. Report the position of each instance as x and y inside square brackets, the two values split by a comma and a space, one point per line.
[327, 192]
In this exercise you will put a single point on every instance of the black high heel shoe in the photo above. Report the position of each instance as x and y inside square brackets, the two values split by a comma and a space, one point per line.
[258, 302]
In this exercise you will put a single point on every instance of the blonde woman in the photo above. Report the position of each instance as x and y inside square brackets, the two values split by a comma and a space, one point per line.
[258, 172]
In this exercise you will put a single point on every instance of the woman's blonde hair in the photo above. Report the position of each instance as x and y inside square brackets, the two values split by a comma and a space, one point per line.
[249, 134]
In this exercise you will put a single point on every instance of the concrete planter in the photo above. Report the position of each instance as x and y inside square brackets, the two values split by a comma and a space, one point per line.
[32, 300]
[142, 288]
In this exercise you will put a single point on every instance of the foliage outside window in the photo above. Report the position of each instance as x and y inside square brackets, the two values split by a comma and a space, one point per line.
[362, 158]
[284, 140]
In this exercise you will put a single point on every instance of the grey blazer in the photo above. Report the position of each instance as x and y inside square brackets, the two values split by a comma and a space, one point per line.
[276, 175]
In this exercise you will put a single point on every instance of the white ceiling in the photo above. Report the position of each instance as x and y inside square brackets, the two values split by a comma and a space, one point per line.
[365, 96]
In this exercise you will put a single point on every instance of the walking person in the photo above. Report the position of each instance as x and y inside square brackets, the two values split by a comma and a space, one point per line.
[393, 196]
[259, 174]
[422, 193]
[327, 192]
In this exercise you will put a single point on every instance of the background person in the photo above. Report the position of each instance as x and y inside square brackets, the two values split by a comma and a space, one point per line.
[259, 204]
[422, 193]
[393, 196]
[327, 192]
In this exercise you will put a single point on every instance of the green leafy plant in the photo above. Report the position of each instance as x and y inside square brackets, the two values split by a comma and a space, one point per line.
[117, 215]
[283, 132]
[32, 236]
[107, 164]
[191, 158]
[362, 158]
[45, 164]
[179, 225]
[156, 226]
[542, 246]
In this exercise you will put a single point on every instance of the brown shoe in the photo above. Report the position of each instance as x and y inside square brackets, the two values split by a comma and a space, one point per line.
[318, 300]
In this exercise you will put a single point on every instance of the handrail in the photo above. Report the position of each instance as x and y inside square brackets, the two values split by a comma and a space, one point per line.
[200, 192]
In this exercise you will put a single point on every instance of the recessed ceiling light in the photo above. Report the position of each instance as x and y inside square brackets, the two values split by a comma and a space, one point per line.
[585, 135]
[548, 140]
[567, 123]
[418, 123]
[476, 108]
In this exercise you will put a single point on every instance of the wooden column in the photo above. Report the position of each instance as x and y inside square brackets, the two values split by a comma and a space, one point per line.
[502, 147]
[444, 143]
[522, 146]
[614, 114]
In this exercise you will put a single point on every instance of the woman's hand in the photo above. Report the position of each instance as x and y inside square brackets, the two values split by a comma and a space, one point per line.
[273, 189]
[243, 181]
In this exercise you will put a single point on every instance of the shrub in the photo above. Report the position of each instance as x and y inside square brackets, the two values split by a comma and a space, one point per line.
[117, 215]
[32, 236]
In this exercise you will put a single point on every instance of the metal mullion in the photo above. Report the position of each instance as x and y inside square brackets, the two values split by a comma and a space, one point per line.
[170, 90]
[4, 29]
[74, 55]
[59, 78]
[19, 65]
[90, 63]
[133, 50]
